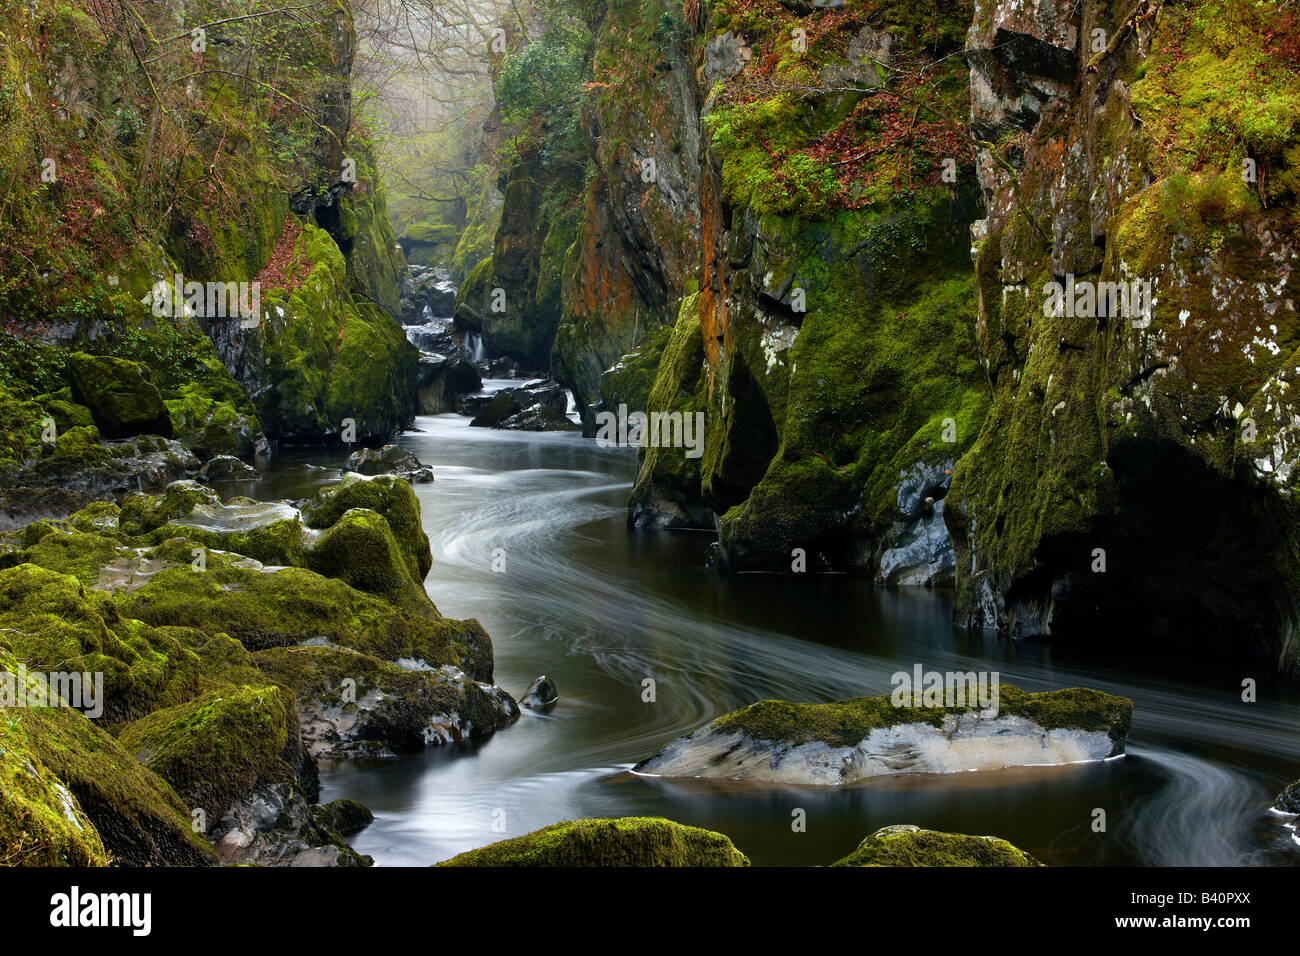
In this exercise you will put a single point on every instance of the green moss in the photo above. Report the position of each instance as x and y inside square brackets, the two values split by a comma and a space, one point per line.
[328, 358]
[678, 386]
[72, 552]
[360, 549]
[79, 447]
[847, 723]
[41, 823]
[217, 747]
[65, 412]
[1217, 88]
[628, 841]
[210, 427]
[630, 381]
[275, 609]
[53, 624]
[143, 512]
[20, 439]
[884, 370]
[119, 395]
[910, 846]
[390, 497]
[138, 816]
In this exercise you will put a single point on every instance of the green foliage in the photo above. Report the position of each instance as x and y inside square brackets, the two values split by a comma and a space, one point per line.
[1222, 85]
[547, 77]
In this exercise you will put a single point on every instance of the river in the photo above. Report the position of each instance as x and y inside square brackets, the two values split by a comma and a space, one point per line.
[600, 609]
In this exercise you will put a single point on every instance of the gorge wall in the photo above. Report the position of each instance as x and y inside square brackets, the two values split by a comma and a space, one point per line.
[834, 230]
[139, 148]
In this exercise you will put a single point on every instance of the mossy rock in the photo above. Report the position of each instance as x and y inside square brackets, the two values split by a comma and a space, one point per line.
[143, 512]
[391, 497]
[627, 841]
[210, 427]
[907, 845]
[41, 823]
[138, 816]
[402, 708]
[344, 816]
[119, 394]
[66, 412]
[264, 609]
[845, 723]
[51, 623]
[77, 448]
[217, 747]
[70, 552]
[360, 549]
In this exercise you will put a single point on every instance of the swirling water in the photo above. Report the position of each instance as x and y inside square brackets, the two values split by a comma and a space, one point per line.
[600, 609]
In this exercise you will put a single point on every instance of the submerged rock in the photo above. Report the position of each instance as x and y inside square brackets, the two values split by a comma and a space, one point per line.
[627, 841]
[908, 845]
[228, 468]
[852, 740]
[541, 694]
[389, 460]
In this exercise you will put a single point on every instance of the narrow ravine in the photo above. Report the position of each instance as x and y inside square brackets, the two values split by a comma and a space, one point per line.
[600, 609]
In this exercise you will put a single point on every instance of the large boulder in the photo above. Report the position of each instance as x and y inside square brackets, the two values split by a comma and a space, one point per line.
[628, 841]
[908, 845]
[219, 746]
[389, 460]
[354, 704]
[41, 823]
[847, 741]
[388, 495]
[119, 394]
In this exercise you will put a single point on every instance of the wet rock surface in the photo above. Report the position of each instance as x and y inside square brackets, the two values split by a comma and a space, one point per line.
[541, 694]
[538, 405]
[389, 460]
[850, 741]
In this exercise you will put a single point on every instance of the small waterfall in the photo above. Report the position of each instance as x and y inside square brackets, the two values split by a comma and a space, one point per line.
[474, 342]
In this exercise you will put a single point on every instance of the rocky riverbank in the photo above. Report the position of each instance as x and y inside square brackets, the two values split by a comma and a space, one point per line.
[237, 643]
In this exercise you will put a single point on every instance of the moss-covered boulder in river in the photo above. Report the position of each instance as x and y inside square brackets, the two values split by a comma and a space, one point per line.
[851, 740]
[907, 845]
[628, 841]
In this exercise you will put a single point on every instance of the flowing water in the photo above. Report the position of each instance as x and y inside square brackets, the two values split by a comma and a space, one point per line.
[601, 609]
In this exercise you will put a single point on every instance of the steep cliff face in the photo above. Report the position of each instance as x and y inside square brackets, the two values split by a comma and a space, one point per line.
[837, 360]
[636, 252]
[143, 144]
[599, 231]
[1087, 429]
[1134, 474]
